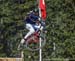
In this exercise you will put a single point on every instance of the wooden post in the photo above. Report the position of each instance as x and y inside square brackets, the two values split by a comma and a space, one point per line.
[22, 55]
[11, 59]
[40, 52]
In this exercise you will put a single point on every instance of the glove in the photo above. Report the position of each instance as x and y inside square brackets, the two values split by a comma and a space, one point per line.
[41, 28]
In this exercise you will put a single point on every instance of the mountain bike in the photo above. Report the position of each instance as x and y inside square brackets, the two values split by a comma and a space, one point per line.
[33, 41]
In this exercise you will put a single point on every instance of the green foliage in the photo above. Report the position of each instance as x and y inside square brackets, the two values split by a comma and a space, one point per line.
[60, 26]
[61, 29]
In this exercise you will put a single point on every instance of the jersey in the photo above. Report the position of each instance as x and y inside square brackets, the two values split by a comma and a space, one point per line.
[31, 19]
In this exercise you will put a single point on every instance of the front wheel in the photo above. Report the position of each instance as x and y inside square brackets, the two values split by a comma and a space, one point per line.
[33, 43]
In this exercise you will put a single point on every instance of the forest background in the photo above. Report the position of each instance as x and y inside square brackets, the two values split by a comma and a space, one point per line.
[60, 24]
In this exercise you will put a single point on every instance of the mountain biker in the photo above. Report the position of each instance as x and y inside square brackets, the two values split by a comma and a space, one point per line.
[32, 24]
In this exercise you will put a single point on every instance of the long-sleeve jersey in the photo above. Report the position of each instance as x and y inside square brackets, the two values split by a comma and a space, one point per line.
[31, 18]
